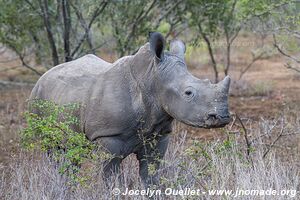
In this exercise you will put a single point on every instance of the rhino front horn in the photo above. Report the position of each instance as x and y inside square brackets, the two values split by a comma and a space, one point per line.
[225, 83]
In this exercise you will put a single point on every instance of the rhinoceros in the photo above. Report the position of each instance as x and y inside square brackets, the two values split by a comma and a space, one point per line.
[135, 99]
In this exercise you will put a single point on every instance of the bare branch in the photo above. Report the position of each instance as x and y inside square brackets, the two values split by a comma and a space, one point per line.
[83, 24]
[254, 59]
[167, 12]
[245, 135]
[94, 48]
[143, 14]
[282, 51]
[96, 13]
[270, 9]
[294, 32]
[173, 27]
[196, 178]
[33, 7]
[28, 66]
[289, 66]
[22, 58]
[273, 143]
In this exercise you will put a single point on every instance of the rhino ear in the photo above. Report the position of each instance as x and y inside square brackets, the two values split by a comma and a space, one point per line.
[157, 44]
[177, 47]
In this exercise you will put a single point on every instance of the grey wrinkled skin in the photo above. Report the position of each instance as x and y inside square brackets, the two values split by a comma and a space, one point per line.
[129, 104]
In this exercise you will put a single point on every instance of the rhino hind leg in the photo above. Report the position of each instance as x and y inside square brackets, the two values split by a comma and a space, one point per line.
[149, 158]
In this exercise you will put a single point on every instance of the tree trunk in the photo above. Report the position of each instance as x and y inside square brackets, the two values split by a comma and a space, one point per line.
[211, 53]
[67, 29]
[45, 13]
[228, 43]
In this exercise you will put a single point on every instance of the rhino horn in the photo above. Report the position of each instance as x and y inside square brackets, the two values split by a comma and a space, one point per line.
[177, 47]
[224, 84]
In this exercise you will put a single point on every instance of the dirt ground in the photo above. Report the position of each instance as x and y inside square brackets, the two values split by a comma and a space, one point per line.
[265, 91]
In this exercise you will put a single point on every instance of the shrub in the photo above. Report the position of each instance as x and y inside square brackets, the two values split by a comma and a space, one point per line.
[50, 131]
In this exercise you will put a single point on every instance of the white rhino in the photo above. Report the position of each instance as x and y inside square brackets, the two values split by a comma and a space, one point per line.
[135, 99]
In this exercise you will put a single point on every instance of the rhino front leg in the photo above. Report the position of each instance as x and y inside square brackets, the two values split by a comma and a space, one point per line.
[112, 167]
[149, 157]
[112, 146]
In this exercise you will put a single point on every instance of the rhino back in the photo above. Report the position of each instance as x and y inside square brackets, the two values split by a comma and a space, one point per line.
[70, 82]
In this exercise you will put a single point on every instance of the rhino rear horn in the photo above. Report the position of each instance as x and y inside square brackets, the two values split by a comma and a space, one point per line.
[157, 44]
[177, 47]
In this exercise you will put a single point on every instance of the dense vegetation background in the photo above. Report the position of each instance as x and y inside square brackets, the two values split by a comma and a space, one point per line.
[52, 32]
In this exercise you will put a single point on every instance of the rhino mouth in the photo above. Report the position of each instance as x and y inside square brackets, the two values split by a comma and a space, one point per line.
[216, 121]
[209, 123]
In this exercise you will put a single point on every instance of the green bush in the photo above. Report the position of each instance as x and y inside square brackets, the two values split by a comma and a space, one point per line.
[50, 131]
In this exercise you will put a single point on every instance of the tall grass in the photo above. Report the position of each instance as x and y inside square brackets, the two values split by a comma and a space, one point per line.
[230, 164]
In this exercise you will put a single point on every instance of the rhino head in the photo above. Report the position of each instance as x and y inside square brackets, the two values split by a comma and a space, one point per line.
[193, 101]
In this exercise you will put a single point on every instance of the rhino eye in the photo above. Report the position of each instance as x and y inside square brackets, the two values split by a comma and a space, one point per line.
[189, 93]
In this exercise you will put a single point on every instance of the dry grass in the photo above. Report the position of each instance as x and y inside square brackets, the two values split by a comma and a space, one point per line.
[12, 105]
[243, 88]
[188, 164]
